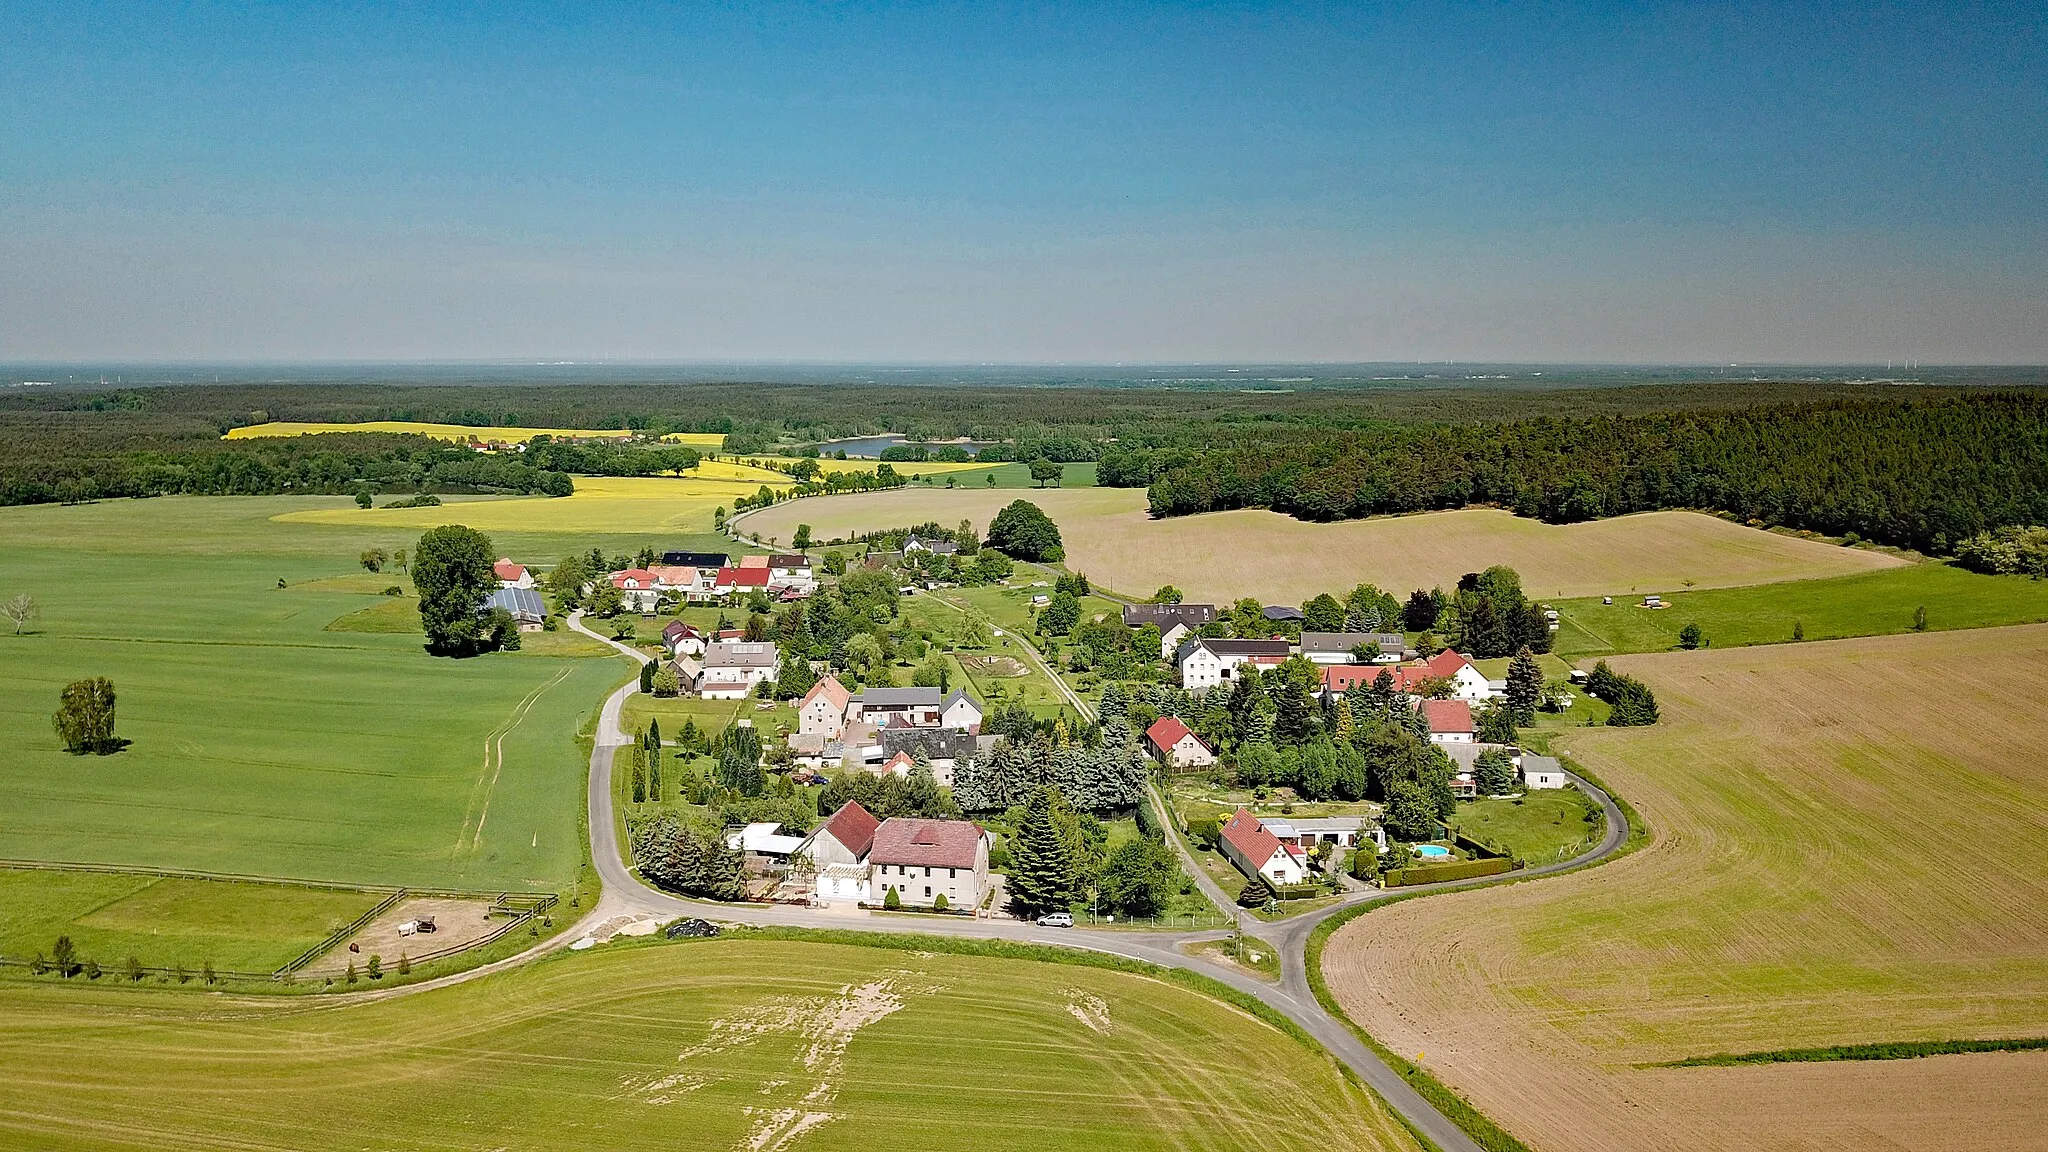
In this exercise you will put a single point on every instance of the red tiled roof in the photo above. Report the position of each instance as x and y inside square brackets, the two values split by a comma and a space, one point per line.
[925, 843]
[1250, 837]
[854, 827]
[1448, 715]
[1167, 731]
[902, 758]
[1445, 663]
[753, 561]
[832, 690]
[507, 570]
[743, 577]
[1344, 677]
[640, 576]
[1409, 677]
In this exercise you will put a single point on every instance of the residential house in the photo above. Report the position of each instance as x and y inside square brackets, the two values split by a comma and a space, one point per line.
[742, 580]
[1278, 613]
[1257, 852]
[1465, 761]
[683, 639]
[1450, 721]
[733, 667]
[935, 547]
[1542, 772]
[791, 572]
[689, 672]
[907, 707]
[924, 859]
[1205, 663]
[816, 751]
[1341, 678]
[1466, 681]
[838, 850]
[511, 575]
[639, 588]
[822, 712]
[1337, 647]
[523, 603]
[946, 748]
[1305, 832]
[1176, 622]
[1177, 746]
[960, 712]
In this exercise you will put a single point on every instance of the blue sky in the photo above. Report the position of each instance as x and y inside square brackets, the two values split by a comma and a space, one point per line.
[1692, 182]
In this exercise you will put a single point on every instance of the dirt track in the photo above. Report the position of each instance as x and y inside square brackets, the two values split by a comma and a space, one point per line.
[1824, 873]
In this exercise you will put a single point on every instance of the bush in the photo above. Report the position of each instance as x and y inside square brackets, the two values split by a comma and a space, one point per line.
[1203, 830]
[1435, 873]
[1256, 893]
[940, 903]
[891, 901]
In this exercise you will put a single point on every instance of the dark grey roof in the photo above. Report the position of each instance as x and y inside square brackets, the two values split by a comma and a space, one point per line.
[1346, 641]
[936, 743]
[1167, 615]
[1240, 647]
[1282, 612]
[740, 654]
[898, 697]
[519, 602]
[696, 559]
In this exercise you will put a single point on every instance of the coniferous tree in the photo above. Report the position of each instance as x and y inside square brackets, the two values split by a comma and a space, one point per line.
[1525, 686]
[1041, 863]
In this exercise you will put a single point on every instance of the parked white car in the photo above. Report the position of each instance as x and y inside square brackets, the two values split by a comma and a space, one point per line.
[1056, 920]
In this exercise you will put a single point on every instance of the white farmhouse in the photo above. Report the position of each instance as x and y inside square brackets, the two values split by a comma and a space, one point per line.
[822, 712]
[1205, 663]
[1176, 746]
[1257, 852]
[733, 667]
[1542, 772]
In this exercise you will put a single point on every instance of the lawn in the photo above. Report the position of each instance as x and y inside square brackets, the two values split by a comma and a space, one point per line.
[166, 921]
[263, 743]
[722, 1044]
[1226, 555]
[1553, 824]
[1871, 604]
[1848, 846]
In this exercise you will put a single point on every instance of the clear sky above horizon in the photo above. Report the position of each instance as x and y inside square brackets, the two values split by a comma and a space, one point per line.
[1653, 183]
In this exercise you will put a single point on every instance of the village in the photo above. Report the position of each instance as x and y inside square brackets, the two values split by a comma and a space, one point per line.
[833, 785]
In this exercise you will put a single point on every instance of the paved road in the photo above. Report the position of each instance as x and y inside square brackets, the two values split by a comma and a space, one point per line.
[626, 897]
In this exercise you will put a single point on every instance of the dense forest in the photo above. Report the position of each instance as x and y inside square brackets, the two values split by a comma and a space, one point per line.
[1925, 474]
[1914, 465]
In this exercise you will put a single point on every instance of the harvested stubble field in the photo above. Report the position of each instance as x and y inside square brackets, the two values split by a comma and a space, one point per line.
[600, 504]
[1849, 847]
[723, 1044]
[1224, 555]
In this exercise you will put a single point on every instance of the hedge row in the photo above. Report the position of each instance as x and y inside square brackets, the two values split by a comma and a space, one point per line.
[1434, 873]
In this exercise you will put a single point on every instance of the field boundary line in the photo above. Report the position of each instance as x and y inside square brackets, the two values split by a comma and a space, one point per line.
[495, 894]
[498, 753]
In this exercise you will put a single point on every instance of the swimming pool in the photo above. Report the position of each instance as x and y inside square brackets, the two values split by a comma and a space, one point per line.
[1432, 851]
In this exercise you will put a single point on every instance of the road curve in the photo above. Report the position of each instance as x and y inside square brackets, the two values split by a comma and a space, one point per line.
[626, 896]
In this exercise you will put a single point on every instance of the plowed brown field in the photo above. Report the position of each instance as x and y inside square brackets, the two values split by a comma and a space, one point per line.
[1851, 845]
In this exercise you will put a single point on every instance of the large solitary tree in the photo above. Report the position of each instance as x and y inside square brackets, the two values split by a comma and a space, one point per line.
[451, 568]
[1025, 532]
[85, 716]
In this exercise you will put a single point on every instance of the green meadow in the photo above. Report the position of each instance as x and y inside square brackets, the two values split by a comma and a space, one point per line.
[731, 1043]
[263, 741]
[1871, 604]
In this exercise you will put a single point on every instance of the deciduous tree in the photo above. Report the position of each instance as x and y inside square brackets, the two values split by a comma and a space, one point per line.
[85, 716]
[452, 569]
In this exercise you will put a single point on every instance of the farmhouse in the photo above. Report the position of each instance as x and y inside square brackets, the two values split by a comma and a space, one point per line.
[523, 603]
[905, 707]
[1341, 678]
[838, 849]
[1176, 622]
[1337, 647]
[1542, 772]
[1257, 852]
[1176, 746]
[946, 748]
[925, 859]
[1450, 721]
[742, 580]
[1205, 663]
[511, 575]
[935, 547]
[823, 709]
[733, 667]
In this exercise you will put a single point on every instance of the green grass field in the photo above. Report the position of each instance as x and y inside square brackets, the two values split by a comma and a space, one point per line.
[722, 1044]
[1553, 824]
[1872, 604]
[263, 743]
[164, 921]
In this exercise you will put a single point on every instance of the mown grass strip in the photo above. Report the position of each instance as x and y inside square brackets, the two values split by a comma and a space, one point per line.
[1891, 1050]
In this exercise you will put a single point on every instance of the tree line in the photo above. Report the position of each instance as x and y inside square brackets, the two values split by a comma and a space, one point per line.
[1925, 473]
